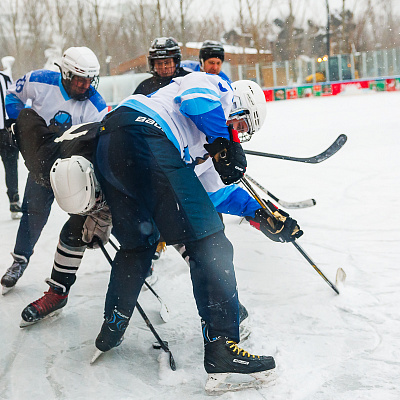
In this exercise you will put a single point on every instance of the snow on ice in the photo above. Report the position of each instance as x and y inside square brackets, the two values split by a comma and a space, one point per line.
[326, 346]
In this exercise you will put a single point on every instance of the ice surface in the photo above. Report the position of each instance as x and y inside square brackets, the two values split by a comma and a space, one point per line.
[326, 346]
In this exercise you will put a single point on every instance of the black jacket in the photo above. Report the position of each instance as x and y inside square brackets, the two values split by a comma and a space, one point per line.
[41, 147]
[156, 82]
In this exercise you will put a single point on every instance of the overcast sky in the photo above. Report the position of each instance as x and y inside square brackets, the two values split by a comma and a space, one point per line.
[302, 9]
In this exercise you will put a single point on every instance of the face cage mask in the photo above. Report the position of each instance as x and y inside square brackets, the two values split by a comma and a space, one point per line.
[242, 115]
[94, 83]
[100, 203]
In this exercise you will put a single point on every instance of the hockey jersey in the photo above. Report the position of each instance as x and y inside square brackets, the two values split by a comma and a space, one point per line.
[191, 110]
[44, 90]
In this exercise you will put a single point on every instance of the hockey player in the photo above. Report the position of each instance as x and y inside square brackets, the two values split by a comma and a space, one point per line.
[36, 143]
[8, 151]
[211, 58]
[63, 99]
[164, 61]
[144, 162]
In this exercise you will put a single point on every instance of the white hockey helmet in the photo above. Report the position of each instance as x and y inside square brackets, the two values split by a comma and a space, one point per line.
[249, 107]
[79, 61]
[74, 184]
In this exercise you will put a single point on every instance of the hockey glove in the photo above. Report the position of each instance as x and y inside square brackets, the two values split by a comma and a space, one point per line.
[228, 157]
[97, 227]
[282, 228]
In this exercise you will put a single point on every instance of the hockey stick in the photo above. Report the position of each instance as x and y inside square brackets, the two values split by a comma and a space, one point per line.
[297, 246]
[163, 344]
[329, 152]
[285, 204]
[164, 312]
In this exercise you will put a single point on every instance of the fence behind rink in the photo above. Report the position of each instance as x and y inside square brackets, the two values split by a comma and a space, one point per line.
[302, 77]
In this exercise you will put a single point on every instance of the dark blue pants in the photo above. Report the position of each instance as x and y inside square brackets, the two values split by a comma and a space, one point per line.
[9, 156]
[150, 190]
[36, 208]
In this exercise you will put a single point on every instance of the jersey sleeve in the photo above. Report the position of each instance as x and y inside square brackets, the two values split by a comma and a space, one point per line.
[206, 100]
[235, 201]
[17, 96]
[97, 111]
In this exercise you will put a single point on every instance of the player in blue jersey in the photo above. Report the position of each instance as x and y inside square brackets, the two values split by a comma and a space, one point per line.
[211, 58]
[62, 99]
[145, 158]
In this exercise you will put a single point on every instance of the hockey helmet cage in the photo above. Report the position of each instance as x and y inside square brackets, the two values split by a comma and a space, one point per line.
[250, 105]
[164, 47]
[211, 49]
[74, 184]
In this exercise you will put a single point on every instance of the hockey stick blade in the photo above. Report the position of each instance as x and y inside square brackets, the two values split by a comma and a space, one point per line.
[340, 277]
[164, 312]
[284, 204]
[329, 152]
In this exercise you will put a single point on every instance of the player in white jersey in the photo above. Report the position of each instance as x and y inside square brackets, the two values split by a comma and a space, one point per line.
[146, 152]
[62, 99]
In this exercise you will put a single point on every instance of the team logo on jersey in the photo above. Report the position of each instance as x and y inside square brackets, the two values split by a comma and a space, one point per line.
[61, 121]
[148, 121]
[19, 85]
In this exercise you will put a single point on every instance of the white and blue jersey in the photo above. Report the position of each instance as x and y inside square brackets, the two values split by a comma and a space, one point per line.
[195, 67]
[43, 88]
[191, 110]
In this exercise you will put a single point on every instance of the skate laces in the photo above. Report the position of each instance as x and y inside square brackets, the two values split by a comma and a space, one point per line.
[235, 348]
[48, 301]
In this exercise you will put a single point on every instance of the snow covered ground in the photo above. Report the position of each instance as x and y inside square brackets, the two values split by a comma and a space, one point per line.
[326, 346]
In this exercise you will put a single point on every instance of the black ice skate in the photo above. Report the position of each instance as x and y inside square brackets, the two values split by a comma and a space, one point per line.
[231, 368]
[10, 278]
[49, 305]
[111, 334]
[15, 207]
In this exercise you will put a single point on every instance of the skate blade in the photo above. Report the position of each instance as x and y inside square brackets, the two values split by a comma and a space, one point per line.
[24, 324]
[5, 289]
[232, 382]
[96, 355]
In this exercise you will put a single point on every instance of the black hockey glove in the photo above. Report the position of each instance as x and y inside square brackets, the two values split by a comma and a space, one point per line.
[228, 157]
[282, 228]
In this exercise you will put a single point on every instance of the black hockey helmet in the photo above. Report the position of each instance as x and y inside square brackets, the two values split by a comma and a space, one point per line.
[164, 47]
[211, 49]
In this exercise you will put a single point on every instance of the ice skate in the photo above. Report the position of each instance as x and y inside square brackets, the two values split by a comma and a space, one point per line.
[111, 334]
[49, 305]
[10, 278]
[15, 207]
[231, 368]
